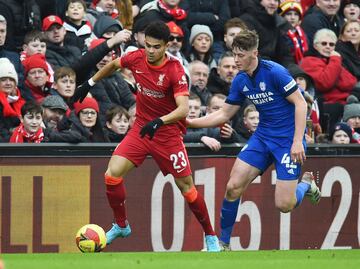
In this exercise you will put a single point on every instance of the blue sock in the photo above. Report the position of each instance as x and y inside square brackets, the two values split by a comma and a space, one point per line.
[301, 189]
[227, 219]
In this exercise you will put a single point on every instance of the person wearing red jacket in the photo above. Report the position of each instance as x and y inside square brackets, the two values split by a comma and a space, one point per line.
[333, 82]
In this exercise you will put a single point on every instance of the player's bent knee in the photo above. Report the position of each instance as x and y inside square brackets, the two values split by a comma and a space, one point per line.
[111, 180]
[285, 206]
[191, 195]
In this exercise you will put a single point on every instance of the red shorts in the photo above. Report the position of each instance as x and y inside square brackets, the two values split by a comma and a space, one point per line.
[168, 151]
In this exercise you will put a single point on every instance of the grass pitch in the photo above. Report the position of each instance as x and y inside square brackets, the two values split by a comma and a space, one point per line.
[286, 259]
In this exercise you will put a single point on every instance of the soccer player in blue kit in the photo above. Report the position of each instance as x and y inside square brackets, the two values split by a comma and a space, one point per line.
[279, 137]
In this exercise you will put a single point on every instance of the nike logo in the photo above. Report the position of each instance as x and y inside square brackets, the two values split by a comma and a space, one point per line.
[138, 72]
[179, 171]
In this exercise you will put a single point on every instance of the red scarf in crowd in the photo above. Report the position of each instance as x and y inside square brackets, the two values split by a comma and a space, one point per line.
[177, 13]
[21, 136]
[13, 109]
[299, 41]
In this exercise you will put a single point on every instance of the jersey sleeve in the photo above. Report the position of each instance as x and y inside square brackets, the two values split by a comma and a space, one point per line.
[179, 81]
[128, 58]
[236, 97]
[285, 82]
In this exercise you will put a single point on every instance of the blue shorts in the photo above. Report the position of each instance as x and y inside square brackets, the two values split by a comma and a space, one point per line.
[261, 153]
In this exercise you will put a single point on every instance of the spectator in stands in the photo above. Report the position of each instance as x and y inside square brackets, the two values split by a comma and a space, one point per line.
[292, 11]
[231, 29]
[305, 83]
[248, 124]
[54, 111]
[22, 16]
[323, 15]
[11, 100]
[348, 47]
[350, 10]
[340, 134]
[125, 8]
[138, 36]
[64, 83]
[352, 118]
[12, 56]
[37, 84]
[87, 63]
[117, 123]
[110, 90]
[166, 11]
[213, 13]
[106, 27]
[102, 7]
[261, 15]
[175, 42]
[199, 135]
[58, 53]
[35, 42]
[332, 81]
[199, 75]
[201, 41]
[29, 130]
[224, 133]
[84, 120]
[221, 77]
[78, 29]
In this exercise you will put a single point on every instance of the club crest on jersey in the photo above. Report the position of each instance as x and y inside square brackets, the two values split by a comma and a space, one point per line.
[262, 86]
[160, 80]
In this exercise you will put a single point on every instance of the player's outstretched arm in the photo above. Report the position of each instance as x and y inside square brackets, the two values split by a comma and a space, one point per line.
[214, 119]
[297, 148]
[83, 89]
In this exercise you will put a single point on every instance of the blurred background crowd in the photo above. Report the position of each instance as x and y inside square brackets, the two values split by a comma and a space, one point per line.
[49, 47]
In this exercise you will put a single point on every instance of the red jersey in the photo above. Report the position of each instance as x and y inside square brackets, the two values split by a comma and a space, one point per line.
[157, 88]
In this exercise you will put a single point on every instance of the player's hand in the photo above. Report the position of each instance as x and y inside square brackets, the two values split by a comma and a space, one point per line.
[151, 127]
[297, 152]
[80, 92]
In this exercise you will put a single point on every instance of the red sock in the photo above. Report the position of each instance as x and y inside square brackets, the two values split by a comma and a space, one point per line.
[198, 207]
[116, 196]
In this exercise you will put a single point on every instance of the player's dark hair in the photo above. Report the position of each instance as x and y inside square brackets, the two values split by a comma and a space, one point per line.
[31, 107]
[158, 30]
[246, 40]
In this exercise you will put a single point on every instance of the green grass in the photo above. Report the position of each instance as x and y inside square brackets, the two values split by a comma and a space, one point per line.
[287, 259]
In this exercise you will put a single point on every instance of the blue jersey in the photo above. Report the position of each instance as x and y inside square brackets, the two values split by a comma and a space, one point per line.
[268, 88]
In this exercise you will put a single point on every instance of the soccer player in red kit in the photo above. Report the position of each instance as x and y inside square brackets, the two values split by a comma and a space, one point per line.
[161, 108]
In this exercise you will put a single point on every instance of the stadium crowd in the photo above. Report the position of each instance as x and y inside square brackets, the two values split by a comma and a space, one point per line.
[49, 47]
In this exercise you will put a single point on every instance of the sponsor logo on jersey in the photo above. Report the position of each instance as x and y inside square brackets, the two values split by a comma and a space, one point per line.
[148, 92]
[290, 85]
[160, 80]
[262, 86]
[261, 98]
[245, 89]
[183, 80]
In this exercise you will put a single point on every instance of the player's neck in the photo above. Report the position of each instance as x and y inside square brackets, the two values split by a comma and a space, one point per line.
[158, 62]
[254, 64]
